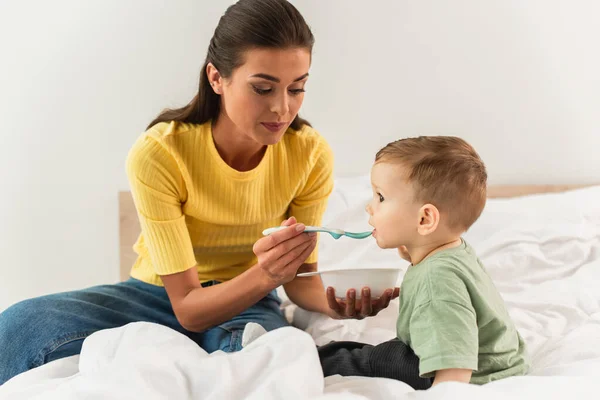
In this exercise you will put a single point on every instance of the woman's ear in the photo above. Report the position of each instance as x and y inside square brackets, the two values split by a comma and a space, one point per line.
[214, 78]
[429, 219]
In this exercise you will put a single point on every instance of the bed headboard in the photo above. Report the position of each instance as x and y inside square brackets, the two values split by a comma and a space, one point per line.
[129, 227]
[129, 230]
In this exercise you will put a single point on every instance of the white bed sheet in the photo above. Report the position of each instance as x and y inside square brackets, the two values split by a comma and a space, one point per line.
[543, 253]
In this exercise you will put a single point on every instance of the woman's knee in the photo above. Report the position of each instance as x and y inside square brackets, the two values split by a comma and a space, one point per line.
[30, 326]
[16, 320]
[17, 338]
[36, 331]
[27, 325]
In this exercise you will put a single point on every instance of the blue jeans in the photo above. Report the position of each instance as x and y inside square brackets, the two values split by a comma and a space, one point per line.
[39, 330]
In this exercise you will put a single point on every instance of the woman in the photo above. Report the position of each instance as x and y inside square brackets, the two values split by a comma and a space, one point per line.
[207, 179]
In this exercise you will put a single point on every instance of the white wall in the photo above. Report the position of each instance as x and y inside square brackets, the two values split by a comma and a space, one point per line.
[518, 79]
[80, 80]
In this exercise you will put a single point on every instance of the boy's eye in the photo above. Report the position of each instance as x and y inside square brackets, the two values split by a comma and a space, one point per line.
[380, 198]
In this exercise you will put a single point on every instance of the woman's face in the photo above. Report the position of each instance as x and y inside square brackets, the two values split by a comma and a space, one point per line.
[262, 97]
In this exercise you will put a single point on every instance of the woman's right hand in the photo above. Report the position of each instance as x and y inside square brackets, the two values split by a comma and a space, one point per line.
[281, 253]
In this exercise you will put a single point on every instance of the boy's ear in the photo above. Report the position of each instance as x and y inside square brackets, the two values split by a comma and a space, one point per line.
[429, 219]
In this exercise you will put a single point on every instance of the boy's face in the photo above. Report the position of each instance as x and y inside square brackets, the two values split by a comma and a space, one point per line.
[393, 211]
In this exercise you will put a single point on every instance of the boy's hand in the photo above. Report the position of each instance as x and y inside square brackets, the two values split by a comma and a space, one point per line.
[365, 307]
[404, 253]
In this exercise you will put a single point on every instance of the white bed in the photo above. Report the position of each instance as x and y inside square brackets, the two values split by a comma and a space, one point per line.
[543, 252]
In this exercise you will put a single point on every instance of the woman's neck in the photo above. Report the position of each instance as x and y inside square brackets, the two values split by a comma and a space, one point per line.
[235, 148]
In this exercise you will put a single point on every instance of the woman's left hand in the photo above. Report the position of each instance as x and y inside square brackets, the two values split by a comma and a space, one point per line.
[358, 309]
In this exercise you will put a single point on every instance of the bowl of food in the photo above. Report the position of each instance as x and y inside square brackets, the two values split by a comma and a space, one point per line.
[378, 280]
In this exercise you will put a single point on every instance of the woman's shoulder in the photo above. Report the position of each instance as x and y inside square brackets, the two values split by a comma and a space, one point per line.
[173, 131]
[165, 140]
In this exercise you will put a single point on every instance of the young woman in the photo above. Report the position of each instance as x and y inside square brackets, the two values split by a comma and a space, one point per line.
[207, 179]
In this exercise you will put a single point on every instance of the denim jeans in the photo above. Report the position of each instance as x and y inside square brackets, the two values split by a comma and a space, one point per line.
[39, 330]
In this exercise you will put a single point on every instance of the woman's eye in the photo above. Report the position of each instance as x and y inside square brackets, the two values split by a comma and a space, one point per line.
[296, 92]
[260, 91]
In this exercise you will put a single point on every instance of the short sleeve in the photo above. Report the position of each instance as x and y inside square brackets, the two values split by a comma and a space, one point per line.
[444, 335]
[158, 191]
[309, 205]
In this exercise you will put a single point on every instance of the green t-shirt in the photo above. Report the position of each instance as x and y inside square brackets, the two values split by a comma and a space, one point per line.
[452, 316]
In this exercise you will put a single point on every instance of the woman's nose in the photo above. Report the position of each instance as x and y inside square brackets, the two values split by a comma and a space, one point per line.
[281, 106]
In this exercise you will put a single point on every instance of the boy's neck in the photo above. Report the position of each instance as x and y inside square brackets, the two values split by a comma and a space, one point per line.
[419, 253]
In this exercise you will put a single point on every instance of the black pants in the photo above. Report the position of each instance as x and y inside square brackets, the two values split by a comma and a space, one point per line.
[392, 359]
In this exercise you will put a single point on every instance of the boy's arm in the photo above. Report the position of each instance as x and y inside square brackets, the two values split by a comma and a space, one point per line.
[452, 375]
[445, 337]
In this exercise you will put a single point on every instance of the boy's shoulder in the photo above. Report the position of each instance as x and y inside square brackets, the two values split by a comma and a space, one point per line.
[445, 276]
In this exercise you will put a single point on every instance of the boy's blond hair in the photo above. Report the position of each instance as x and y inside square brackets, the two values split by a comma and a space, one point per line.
[445, 171]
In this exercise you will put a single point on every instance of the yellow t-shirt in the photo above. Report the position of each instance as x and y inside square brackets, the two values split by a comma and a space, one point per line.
[195, 210]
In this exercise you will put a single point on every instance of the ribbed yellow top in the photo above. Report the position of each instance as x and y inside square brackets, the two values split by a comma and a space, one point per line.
[195, 210]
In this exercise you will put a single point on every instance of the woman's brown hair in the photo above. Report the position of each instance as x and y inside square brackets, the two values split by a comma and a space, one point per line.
[248, 24]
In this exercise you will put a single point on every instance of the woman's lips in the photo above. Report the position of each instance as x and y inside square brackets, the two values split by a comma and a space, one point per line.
[274, 126]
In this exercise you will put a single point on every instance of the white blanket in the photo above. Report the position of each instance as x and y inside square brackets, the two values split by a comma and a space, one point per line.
[149, 361]
[543, 253]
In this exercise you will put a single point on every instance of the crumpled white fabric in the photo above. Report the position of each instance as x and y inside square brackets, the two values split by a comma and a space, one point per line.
[149, 361]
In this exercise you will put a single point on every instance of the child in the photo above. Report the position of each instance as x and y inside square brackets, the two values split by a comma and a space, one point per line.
[453, 324]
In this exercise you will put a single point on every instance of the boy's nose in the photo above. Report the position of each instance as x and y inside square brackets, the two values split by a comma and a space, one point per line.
[368, 208]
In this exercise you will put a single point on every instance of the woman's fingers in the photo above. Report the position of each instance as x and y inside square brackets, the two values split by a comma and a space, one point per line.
[289, 256]
[275, 239]
[282, 253]
[296, 257]
[366, 304]
[284, 269]
[350, 303]
[312, 244]
[291, 244]
[365, 307]
[383, 301]
[288, 222]
[333, 302]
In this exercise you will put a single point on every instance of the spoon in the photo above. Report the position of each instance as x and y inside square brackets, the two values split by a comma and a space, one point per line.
[336, 233]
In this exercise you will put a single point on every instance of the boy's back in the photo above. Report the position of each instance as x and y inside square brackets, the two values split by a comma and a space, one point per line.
[452, 316]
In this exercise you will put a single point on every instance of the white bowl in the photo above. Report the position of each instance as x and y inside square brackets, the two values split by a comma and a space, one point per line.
[376, 279]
